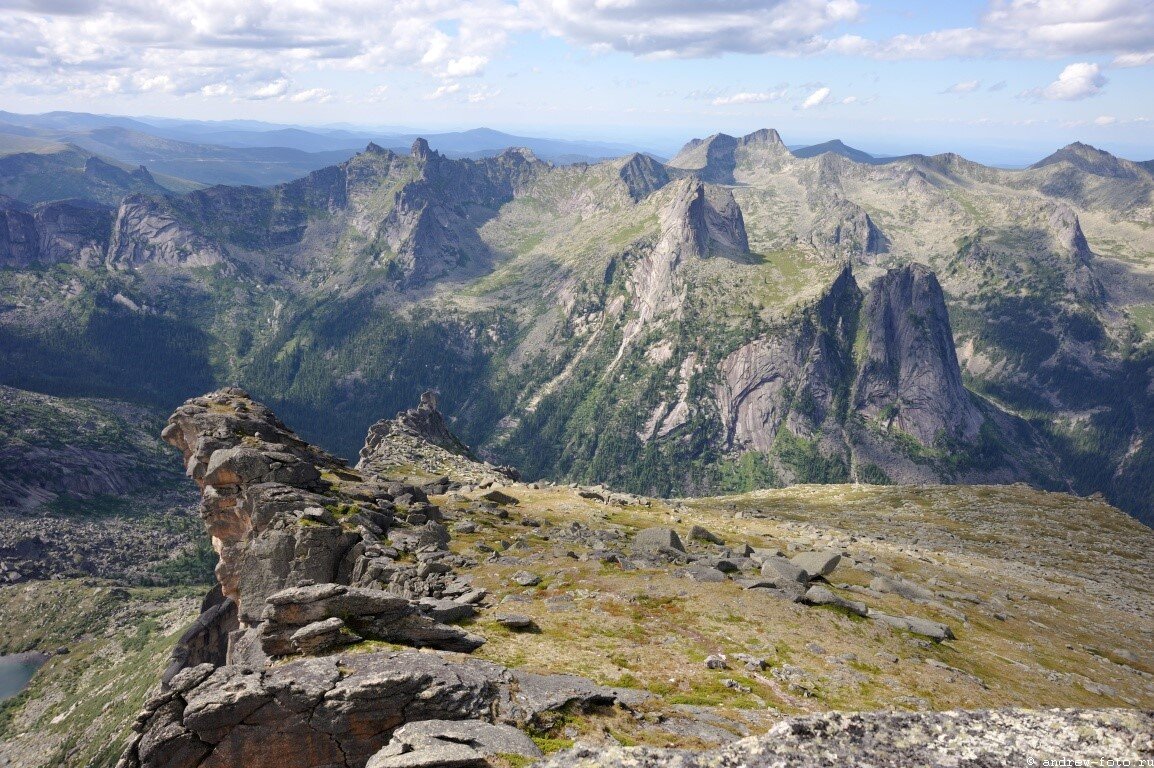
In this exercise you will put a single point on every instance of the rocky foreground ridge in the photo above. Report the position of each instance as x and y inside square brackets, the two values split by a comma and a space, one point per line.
[342, 631]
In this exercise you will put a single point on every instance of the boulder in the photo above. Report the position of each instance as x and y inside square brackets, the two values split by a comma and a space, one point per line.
[526, 579]
[918, 626]
[817, 563]
[697, 533]
[516, 621]
[500, 497]
[784, 570]
[819, 595]
[906, 589]
[655, 540]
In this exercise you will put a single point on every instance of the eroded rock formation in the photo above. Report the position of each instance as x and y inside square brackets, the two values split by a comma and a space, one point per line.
[909, 372]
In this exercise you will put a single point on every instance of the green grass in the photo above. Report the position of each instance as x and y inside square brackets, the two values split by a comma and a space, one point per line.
[1142, 316]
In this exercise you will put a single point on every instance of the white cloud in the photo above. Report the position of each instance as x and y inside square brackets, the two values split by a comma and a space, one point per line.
[92, 46]
[318, 95]
[687, 29]
[216, 89]
[484, 93]
[1077, 81]
[748, 98]
[850, 100]
[466, 66]
[447, 89]
[1027, 29]
[1134, 59]
[222, 48]
[278, 87]
[966, 86]
[1105, 120]
[816, 99]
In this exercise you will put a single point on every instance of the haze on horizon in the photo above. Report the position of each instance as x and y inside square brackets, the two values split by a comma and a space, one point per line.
[994, 80]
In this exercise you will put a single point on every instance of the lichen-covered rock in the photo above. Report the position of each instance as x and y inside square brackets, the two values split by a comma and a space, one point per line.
[444, 743]
[982, 739]
[336, 711]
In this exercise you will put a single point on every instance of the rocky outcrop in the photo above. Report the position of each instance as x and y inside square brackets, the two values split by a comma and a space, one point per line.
[1070, 243]
[901, 739]
[842, 230]
[147, 231]
[259, 483]
[334, 711]
[431, 227]
[909, 378]
[797, 375]
[52, 233]
[306, 569]
[699, 220]
[419, 438]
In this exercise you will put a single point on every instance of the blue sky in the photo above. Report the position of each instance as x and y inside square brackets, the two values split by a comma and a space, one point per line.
[998, 80]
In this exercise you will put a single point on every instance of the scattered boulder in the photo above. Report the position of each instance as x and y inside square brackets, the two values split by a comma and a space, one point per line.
[515, 621]
[526, 579]
[817, 563]
[697, 533]
[924, 627]
[500, 497]
[892, 739]
[819, 595]
[901, 587]
[717, 661]
[784, 569]
[656, 540]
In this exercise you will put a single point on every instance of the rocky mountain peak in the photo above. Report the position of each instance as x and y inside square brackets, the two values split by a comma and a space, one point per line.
[716, 158]
[762, 136]
[1090, 159]
[420, 149]
[712, 159]
[700, 219]
[642, 175]
[909, 377]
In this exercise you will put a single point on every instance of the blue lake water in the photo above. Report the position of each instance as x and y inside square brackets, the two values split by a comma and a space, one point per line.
[16, 670]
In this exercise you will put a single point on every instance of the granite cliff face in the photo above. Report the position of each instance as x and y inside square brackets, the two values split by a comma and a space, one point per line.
[798, 375]
[73, 231]
[909, 374]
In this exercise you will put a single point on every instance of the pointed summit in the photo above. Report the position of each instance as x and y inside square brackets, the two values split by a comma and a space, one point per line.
[837, 147]
[642, 175]
[1093, 160]
[420, 150]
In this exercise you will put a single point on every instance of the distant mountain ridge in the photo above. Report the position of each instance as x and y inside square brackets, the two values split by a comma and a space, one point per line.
[683, 327]
[837, 147]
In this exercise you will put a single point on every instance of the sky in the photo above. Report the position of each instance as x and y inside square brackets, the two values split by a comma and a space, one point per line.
[997, 80]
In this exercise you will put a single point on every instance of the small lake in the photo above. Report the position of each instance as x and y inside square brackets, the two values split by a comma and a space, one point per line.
[16, 670]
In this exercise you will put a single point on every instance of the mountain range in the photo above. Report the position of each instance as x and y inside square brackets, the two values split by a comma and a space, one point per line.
[737, 317]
